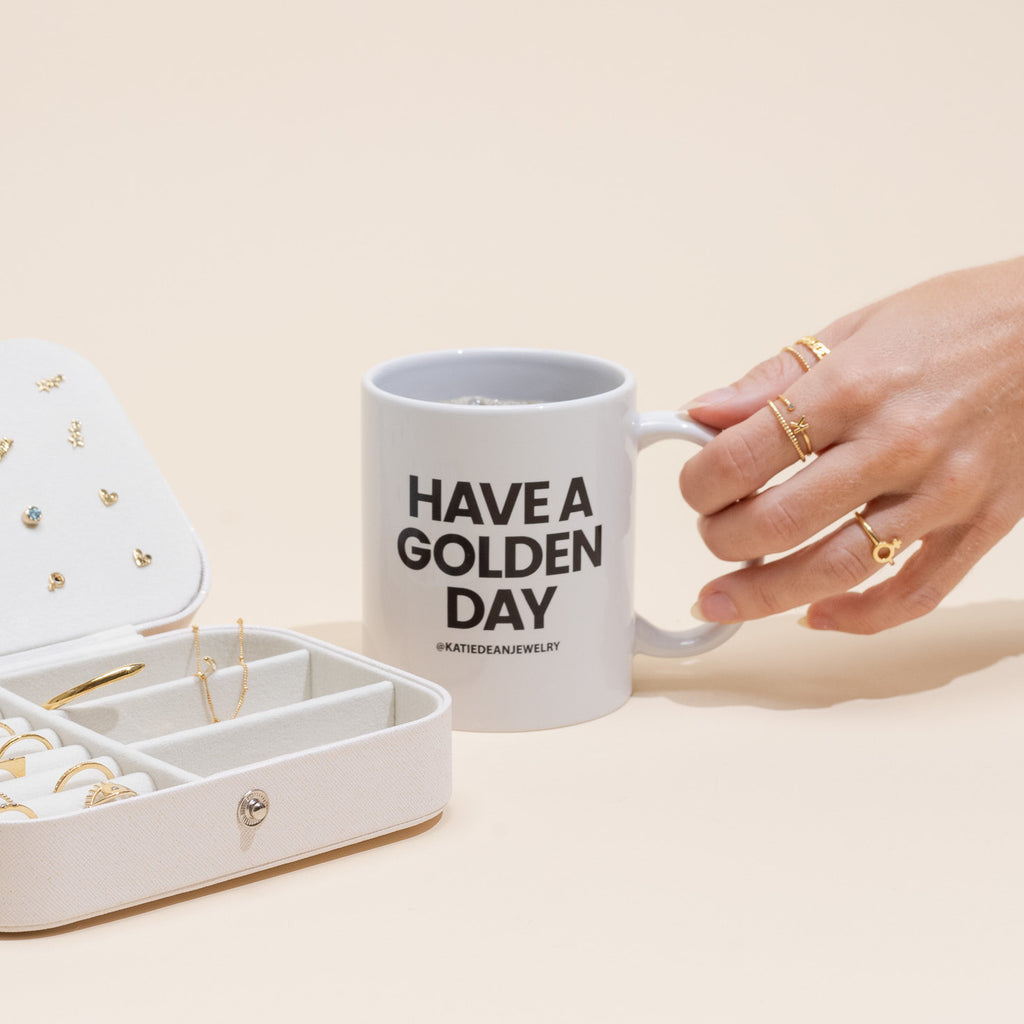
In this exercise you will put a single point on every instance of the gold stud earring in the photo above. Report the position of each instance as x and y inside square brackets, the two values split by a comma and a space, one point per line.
[56, 581]
[75, 438]
[49, 383]
[141, 560]
[108, 497]
[32, 516]
[5, 446]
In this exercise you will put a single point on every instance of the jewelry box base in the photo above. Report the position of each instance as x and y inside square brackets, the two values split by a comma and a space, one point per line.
[337, 749]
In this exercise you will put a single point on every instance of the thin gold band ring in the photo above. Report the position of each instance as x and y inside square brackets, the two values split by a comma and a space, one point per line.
[793, 428]
[7, 804]
[82, 767]
[799, 358]
[25, 736]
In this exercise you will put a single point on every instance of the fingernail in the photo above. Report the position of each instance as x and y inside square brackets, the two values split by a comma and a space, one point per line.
[818, 623]
[715, 607]
[710, 398]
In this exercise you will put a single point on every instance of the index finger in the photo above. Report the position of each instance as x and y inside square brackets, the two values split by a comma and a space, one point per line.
[790, 427]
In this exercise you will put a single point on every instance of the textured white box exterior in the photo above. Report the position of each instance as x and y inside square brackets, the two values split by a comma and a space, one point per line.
[57, 870]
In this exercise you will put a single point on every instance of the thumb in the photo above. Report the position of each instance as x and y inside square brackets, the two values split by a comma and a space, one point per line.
[726, 406]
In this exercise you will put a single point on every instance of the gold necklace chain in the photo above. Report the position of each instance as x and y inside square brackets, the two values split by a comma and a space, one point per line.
[212, 666]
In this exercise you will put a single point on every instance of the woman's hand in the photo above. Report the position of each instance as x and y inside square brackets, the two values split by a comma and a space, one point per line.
[917, 414]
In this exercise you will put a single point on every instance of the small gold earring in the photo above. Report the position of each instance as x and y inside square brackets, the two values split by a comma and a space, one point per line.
[32, 516]
[56, 581]
[5, 446]
[75, 438]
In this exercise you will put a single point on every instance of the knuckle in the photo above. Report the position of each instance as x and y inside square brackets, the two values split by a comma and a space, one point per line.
[768, 599]
[775, 524]
[694, 486]
[842, 567]
[853, 391]
[921, 600]
[914, 444]
[994, 524]
[738, 462]
[769, 375]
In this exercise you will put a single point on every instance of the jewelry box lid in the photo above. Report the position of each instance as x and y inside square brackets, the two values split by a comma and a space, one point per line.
[91, 537]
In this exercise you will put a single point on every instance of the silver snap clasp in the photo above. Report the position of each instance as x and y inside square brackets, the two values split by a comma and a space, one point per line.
[253, 808]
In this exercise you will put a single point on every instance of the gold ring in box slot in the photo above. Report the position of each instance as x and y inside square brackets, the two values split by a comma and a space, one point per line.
[25, 736]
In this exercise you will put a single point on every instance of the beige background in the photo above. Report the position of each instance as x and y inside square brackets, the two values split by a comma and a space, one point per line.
[234, 209]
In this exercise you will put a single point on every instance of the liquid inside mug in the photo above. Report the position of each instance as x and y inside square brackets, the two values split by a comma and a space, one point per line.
[498, 532]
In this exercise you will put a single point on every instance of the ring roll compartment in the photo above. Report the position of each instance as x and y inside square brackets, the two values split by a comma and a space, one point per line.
[41, 778]
[70, 801]
[29, 742]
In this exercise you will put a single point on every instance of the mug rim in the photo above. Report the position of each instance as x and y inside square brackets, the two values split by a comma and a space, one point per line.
[620, 379]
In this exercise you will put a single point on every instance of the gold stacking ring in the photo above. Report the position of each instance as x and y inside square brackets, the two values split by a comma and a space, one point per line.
[819, 348]
[82, 766]
[7, 804]
[882, 551]
[25, 736]
[796, 355]
[7, 728]
[795, 429]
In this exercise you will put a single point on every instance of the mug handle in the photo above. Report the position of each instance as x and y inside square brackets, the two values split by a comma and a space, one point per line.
[650, 639]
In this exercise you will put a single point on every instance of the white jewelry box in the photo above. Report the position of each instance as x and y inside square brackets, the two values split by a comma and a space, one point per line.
[329, 748]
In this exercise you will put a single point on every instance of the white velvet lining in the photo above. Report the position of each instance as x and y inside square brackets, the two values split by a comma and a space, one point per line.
[89, 543]
[276, 733]
[302, 694]
[181, 704]
[170, 656]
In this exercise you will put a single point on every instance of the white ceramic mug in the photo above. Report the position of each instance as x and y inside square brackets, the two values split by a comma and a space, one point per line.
[498, 538]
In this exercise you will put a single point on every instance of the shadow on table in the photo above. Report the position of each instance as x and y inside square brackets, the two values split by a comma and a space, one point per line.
[775, 663]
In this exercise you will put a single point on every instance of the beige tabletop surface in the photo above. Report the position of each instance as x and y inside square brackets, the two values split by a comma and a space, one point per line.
[233, 210]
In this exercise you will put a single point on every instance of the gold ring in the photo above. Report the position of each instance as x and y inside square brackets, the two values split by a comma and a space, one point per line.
[794, 429]
[25, 736]
[7, 804]
[882, 551]
[800, 359]
[10, 731]
[14, 766]
[107, 793]
[819, 348]
[90, 684]
[82, 767]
